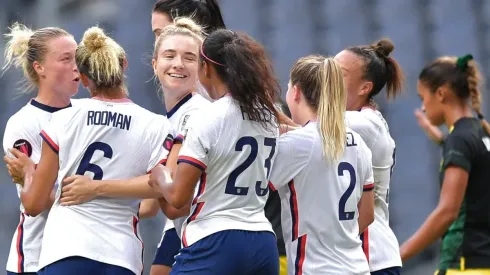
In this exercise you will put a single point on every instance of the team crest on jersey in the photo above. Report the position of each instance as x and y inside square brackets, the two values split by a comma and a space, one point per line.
[24, 146]
[169, 142]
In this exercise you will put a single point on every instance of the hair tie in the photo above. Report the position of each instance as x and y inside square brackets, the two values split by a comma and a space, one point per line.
[209, 59]
[480, 116]
[462, 62]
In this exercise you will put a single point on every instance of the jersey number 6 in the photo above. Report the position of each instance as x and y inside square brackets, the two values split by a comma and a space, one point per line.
[85, 164]
[254, 148]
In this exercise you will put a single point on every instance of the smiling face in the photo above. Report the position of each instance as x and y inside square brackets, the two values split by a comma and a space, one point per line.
[176, 64]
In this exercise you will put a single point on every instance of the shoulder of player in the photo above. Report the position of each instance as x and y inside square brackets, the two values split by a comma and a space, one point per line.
[461, 135]
[367, 120]
[157, 123]
[24, 119]
[301, 135]
[198, 101]
[76, 101]
[66, 114]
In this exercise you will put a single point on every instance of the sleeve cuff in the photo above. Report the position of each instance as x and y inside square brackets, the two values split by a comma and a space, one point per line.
[192, 161]
[50, 142]
[271, 186]
[457, 159]
[368, 187]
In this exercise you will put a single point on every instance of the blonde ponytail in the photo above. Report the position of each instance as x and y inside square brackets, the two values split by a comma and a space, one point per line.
[322, 84]
[331, 109]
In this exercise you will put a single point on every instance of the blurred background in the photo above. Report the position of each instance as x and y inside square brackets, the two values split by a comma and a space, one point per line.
[421, 30]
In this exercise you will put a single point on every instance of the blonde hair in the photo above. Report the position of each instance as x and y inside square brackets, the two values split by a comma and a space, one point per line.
[321, 82]
[24, 46]
[181, 26]
[101, 59]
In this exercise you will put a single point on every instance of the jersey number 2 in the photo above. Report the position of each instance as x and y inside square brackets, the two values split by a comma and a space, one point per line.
[345, 166]
[85, 164]
[254, 148]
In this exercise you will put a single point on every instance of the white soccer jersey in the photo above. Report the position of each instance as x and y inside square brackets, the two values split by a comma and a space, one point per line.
[106, 140]
[235, 155]
[22, 133]
[179, 117]
[379, 241]
[319, 202]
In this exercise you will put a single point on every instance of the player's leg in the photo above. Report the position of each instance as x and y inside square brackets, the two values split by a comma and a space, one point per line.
[165, 257]
[23, 273]
[157, 269]
[220, 253]
[388, 271]
[263, 256]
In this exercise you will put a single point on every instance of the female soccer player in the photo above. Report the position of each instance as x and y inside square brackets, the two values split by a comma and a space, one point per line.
[206, 13]
[230, 148]
[367, 70]
[323, 174]
[461, 216]
[108, 137]
[175, 61]
[47, 58]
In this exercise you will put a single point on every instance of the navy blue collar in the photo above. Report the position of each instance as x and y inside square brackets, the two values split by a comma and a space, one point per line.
[176, 107]
[47, 108]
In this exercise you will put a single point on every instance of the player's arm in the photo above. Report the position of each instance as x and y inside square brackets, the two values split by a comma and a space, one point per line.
[79, 189]
[20, 137]
[366, 208]
[366, 203]
[433, 132]
[192, 162]
[446, 212]
[170, 211]
[178, 192]
[286, 124]
[148, 208]
[457, 164]
[36, 195]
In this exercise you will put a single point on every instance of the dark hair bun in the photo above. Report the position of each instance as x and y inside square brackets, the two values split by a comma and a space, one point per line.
[384, 47]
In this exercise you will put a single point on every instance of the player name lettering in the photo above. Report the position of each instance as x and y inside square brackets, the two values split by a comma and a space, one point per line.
[350, 140]
[107, 118]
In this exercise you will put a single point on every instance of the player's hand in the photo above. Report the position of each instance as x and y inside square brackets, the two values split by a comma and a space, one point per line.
[15, 178]
[159, 177]
[18, 165]
[432, 131]
[284, 119]
[284, 128]
[77, 189]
